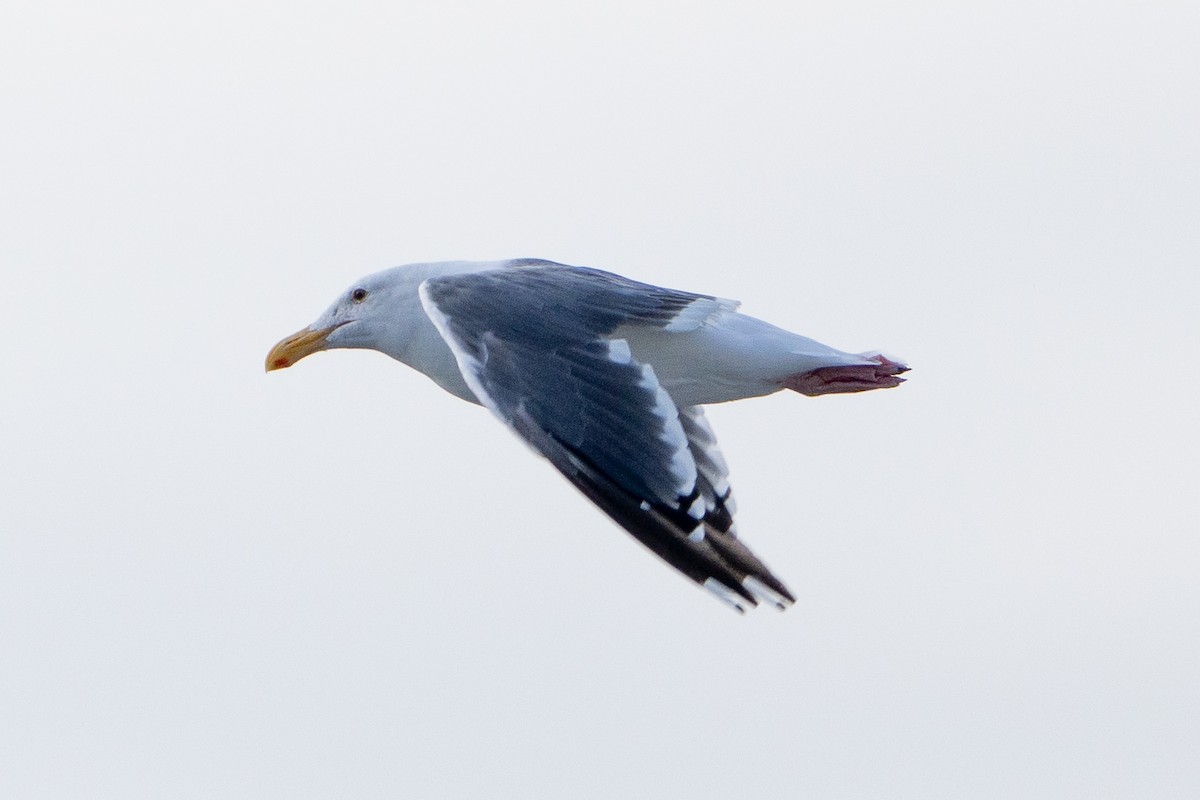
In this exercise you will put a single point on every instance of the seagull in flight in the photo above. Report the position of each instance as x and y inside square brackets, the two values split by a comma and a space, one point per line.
[606, 378]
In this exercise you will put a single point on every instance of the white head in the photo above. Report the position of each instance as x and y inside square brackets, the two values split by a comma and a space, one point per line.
[375, 313]
[383, 312]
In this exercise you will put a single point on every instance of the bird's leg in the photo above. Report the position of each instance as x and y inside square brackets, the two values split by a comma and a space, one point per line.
[884, 374]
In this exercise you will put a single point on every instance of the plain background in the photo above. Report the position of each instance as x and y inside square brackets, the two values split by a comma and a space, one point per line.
[338, 581]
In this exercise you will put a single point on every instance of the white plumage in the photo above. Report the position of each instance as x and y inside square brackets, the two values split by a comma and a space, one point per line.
[605, 377]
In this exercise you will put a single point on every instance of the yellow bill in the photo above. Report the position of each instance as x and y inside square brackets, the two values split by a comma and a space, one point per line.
[297, 346]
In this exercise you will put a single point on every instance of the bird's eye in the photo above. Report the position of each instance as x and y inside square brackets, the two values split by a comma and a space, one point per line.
[358, 295]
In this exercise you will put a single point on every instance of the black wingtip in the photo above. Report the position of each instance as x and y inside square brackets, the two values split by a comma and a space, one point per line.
[766, 591]
[736, 597]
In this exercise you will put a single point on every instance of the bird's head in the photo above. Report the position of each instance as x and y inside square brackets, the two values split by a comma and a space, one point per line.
[367, 315]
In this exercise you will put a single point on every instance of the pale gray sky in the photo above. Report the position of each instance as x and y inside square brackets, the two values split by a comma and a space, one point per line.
[338, 581]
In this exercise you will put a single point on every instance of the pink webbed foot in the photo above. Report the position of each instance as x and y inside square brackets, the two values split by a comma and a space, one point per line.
[884, 374]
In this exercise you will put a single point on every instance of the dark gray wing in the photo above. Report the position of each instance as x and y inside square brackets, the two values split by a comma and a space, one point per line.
[531, 344]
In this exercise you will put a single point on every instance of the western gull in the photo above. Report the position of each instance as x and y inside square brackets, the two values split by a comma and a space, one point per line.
[606, 378]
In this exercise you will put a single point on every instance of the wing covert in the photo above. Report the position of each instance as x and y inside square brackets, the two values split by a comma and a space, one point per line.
[532, 345]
